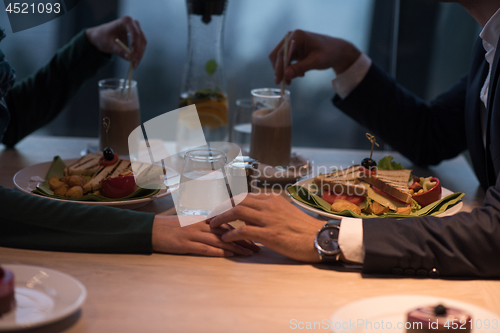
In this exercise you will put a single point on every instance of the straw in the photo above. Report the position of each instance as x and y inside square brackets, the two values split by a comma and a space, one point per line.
[285, 64]
[130, 67]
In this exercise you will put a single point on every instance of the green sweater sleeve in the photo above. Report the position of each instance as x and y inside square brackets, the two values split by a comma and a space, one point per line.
[38, 99]
[32, 222]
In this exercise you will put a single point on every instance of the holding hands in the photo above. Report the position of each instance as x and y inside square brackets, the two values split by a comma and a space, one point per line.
[312, 51]
[103, 38]
[199, 238]
[271, 220]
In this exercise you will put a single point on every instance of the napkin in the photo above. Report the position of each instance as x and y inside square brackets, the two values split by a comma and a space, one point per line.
[305, 196]
[57, 168]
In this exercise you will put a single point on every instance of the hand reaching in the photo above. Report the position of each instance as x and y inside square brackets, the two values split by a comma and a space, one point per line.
[312, 51]
[103, 38]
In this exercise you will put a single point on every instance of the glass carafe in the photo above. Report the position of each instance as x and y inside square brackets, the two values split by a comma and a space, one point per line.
[204, 82]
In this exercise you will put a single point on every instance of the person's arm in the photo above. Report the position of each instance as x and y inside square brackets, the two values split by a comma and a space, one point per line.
[38, 99]
[465, 244]
[32, 222]
[424, 133]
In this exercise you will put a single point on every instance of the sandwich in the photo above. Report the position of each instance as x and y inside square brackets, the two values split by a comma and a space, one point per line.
[342, 182]
[104, 172]
[85, 166]
[393, 183]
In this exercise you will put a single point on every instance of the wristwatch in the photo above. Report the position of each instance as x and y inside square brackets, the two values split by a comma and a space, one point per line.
[326, 241]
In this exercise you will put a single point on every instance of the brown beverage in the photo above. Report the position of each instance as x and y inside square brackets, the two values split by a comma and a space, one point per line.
[271, 141]
[271, 144]
[123, 111]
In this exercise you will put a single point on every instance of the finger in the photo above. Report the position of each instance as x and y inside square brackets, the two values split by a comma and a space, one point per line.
[120, 49]
[248, 244]
[245, 232]
[140, 44]
[216, 241]
[291, 49]
[274, 53]
[244, 243]
[135, 35]
[240, 212]
[207, 250]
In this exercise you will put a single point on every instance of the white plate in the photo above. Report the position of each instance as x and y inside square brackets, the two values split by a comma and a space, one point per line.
[307, 183]
[43, 296]
[28, 178]
[392, 311]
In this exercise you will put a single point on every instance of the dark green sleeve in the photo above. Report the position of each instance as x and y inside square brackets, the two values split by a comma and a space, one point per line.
[31, 222]
[38, 99]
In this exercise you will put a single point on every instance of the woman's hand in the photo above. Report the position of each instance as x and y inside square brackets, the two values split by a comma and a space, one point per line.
[103, 38]
[312, 51]
[273, 221]
[198, 238]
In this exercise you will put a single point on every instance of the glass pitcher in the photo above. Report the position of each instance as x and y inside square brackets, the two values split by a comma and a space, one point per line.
[204, 82]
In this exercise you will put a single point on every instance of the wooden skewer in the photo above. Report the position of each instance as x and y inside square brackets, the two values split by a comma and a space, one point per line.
[130, 67]
[373, 141]
[285, 64]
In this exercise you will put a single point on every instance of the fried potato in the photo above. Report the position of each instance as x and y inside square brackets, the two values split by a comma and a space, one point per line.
[55, 182]
[75, 192]
[378, 209]
[340, 205]
[76, 181]
[404, 210]
[61, 190]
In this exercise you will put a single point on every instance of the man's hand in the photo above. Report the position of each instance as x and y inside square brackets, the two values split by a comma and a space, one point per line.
[103, 38]
[271, 220]
[312, 51]
[199, 238]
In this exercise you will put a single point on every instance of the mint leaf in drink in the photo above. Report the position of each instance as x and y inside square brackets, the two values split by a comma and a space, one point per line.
[386, 163]
[211, 67]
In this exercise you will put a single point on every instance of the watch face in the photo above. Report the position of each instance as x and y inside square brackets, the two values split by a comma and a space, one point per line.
[327, 240]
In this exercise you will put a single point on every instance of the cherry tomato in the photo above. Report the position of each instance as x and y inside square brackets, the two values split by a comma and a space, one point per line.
[331, 197]
[103, 161]
[118, 187]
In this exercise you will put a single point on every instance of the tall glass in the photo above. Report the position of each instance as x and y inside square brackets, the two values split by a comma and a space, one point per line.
[242, 123]
[119, 114]
[203, 182]
[271, 141]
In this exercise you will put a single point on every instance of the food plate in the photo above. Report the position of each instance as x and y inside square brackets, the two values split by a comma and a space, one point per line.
[307, 183]
[28, 178]
[43, 296]
[390, 311]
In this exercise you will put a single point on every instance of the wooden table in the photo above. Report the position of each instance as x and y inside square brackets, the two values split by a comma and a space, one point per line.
[263, 293]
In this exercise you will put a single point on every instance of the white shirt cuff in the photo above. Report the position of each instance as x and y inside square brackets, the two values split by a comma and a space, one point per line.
[351, 239]
[345, 82]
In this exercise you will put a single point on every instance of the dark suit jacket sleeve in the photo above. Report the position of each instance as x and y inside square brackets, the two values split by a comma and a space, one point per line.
[38, 99]
[31, 222]
[424, 133]
[465, 244]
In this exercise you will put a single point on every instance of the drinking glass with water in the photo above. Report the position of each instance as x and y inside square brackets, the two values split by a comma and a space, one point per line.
[203, 185]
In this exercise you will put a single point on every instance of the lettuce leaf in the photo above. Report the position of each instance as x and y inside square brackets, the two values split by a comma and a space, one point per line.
[386, 163]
